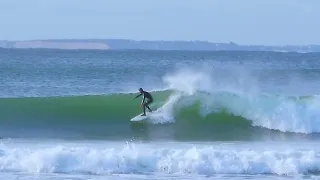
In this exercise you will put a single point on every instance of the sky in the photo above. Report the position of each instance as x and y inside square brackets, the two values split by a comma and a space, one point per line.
[255, 22]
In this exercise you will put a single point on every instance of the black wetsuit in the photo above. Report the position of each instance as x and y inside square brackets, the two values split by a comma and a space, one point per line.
[149, 98]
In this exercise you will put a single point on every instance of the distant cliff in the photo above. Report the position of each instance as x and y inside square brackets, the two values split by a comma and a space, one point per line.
[118, 44]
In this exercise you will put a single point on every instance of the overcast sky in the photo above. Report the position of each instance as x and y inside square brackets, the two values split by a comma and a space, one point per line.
[268, 22]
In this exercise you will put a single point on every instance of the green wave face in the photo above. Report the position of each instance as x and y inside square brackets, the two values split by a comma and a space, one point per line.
[75, 107]
[201, 116]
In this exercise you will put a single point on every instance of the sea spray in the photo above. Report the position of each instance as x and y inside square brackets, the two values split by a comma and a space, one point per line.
[165, 114]
[265, 110]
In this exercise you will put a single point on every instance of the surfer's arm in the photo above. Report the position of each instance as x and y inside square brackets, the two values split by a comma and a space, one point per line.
[138, 96]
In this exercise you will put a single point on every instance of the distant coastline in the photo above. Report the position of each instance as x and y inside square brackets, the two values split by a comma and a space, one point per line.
[123, 44]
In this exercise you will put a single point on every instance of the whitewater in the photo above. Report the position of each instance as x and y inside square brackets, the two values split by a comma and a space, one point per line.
[65, 114]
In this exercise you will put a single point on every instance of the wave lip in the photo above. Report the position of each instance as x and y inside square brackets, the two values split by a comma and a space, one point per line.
[145, 160]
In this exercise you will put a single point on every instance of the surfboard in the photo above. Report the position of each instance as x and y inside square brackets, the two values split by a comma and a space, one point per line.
[139, 117]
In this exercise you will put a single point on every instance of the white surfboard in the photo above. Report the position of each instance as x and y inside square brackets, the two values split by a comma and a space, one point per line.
[140, 118]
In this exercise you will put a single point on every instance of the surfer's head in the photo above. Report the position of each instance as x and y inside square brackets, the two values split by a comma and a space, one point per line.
[140, 90]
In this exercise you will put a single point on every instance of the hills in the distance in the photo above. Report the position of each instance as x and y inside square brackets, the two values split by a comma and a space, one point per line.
[123, 44]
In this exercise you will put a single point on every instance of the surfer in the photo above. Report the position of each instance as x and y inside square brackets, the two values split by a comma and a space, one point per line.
[145, 103]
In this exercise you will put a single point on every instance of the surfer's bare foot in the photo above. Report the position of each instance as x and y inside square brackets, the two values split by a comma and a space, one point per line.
[143, 114]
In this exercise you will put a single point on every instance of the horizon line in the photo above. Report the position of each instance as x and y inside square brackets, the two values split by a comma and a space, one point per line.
[205, 41]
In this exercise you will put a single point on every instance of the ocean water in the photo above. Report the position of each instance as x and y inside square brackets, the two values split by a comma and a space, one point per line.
[65, 114]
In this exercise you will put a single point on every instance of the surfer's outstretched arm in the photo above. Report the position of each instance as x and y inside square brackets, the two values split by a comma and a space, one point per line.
[138, 96]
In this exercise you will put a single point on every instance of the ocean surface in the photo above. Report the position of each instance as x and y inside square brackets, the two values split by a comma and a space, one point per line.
[65, 114]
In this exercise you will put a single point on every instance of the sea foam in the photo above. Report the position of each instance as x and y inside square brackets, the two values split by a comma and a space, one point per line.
[132, 159]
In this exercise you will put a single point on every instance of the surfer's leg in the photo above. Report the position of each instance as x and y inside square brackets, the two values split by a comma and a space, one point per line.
[144, 109]
[147, 105]
[149, 108]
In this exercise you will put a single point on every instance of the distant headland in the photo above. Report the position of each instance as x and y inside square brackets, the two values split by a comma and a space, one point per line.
[126, 44]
